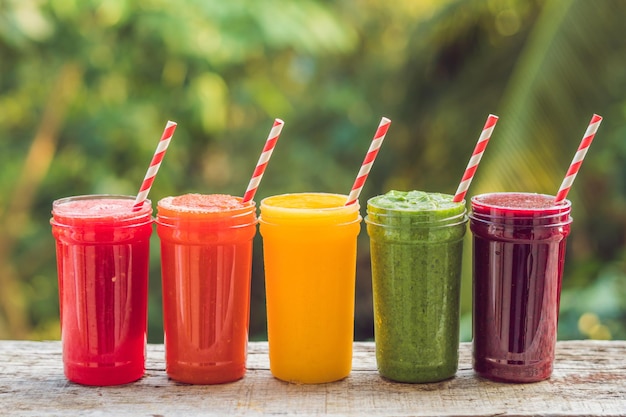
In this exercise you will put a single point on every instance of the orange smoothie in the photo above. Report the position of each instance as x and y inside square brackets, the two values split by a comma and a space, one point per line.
[206, 262]
[309, 244]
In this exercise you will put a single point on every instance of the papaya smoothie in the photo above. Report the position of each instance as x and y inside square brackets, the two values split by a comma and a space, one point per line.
[206, 263]
[310, 245]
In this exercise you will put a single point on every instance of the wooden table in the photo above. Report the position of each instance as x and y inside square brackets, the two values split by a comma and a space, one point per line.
[589, 379]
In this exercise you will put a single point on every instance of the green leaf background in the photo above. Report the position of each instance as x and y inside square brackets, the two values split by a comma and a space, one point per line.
[86, 88]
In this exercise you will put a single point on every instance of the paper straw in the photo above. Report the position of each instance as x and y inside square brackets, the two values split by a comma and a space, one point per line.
[483, 140]
[578, 158]
[270, 144]
[377, 141]
[168, 132]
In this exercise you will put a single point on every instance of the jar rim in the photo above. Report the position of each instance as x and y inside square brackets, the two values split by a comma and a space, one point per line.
[170, 216]
[499, 210]
[323, 208]
[69, 218]
[266, 202]
[402, 220]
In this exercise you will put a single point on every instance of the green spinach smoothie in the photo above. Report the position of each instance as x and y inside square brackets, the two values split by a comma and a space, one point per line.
[416, 243]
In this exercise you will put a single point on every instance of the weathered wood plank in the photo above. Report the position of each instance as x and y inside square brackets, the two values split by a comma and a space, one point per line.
[589, 379]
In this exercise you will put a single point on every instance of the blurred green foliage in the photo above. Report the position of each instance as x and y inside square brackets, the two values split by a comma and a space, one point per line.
[86, 88]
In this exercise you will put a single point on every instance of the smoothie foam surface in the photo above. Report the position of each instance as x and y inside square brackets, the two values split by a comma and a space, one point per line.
[95, 208]
[415, 201]
[202, 203]
[98, 209]
[415, 207]
[513, 206]
[416, 216]
[308, 209]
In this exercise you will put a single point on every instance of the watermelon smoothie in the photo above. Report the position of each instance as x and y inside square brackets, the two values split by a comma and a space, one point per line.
[519, 251]
[102, 249]
[206, 263]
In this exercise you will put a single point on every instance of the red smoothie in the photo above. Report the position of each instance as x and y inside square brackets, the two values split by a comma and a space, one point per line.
[102, 248]
[519, 244]
[206, 263]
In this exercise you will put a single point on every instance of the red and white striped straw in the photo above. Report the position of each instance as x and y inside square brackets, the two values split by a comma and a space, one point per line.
[578, 158]
[479, 149]
[164, 142]
[366, 166]
[270, 144]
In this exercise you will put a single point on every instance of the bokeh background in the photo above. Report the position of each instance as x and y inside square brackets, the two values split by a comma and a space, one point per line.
[87, 86]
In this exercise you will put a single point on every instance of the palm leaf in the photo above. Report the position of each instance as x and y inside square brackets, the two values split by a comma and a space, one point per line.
[551, 96]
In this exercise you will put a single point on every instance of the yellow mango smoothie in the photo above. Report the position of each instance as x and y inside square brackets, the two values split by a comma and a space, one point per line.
[309, 244]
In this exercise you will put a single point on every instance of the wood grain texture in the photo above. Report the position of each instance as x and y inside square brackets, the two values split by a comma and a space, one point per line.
[589, 380]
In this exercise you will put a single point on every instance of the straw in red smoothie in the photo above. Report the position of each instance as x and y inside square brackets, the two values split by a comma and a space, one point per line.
[159, 153]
